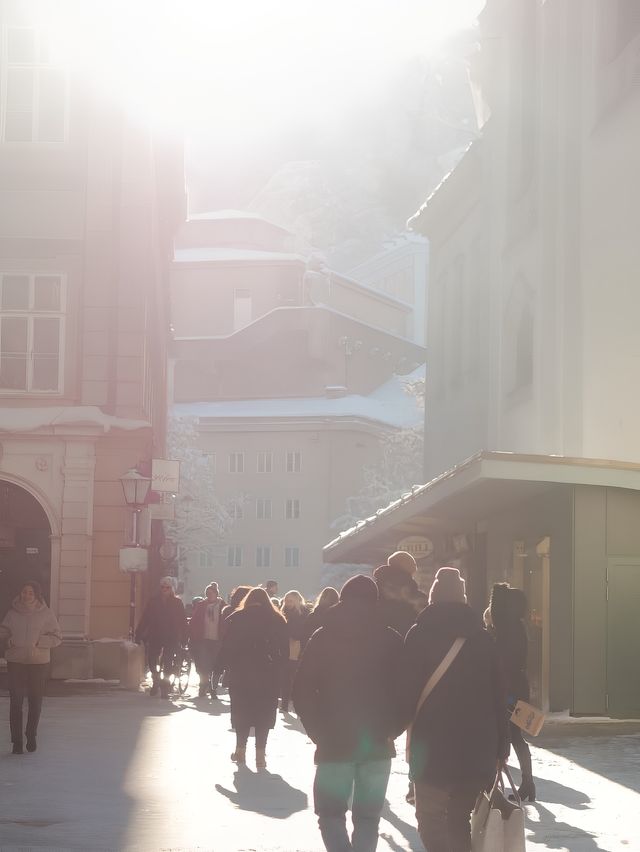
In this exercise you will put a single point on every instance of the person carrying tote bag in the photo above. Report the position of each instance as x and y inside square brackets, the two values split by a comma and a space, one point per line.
[458, 734]
[497, 824]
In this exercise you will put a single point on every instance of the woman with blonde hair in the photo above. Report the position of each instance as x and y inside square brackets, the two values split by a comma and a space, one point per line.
[296, 612]
[254, 651]
[327, 598]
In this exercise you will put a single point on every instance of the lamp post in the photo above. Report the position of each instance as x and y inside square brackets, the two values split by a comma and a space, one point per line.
[135, 488]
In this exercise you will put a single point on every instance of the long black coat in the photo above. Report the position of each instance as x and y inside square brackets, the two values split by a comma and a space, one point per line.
[163, 623]
[512, 644]
[461, 729]
[255, 649]
[400, 599]
[344, 690]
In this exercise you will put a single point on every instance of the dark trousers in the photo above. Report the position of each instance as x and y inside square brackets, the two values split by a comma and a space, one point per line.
[444, 816]
[242, 735]
[335, 785]
[288, 674]
[521, 748]
[25, 681]
[162, 662]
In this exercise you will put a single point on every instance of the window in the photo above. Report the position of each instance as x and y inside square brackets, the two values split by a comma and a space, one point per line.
[33, 92]
[293, 461]
[241, 308]
[234, 556]
[292, 509]
[235, 508]
[263, 509]
[265, 463]
[31, 332]
[292, 557]
[236, 462]
[205, 557]
[263, 556]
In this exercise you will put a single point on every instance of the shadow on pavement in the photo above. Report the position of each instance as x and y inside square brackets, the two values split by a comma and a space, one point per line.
[264, 793]
[408, 830]
[558, 835]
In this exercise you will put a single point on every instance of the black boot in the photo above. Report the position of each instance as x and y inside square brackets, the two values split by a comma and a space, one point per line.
[527, 789]
[31, 743]
[17, 749]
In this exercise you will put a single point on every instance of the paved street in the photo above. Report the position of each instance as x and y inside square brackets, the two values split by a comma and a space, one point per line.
[121, 771]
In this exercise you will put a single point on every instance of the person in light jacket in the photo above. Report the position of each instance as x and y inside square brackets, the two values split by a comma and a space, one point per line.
[31, 630]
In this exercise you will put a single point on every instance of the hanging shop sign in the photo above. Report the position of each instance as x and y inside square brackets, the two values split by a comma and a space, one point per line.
[134, 559]
[419, 546]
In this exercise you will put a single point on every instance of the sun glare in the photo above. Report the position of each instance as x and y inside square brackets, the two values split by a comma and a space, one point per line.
[207, 64]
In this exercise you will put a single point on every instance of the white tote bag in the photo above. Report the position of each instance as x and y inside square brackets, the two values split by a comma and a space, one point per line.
[497, 825]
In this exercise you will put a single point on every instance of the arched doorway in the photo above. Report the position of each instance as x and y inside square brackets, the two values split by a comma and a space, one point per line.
[25, 545]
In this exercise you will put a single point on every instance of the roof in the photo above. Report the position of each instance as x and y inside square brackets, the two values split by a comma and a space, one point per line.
[389, 405]
[227, 255]
[467, 484]
[225, 215]
[22, 419]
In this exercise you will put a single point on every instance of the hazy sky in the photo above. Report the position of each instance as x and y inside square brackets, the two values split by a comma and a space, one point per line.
[246, 76]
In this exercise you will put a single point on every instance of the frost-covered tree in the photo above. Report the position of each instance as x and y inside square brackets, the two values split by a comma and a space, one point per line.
[400, 466]
[201, 519]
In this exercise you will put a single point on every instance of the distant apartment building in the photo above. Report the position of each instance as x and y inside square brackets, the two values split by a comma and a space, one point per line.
[293, 372]
[88, 205]
[532, 452]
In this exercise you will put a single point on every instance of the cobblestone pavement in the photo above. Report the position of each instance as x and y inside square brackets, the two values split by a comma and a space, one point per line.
[121, 771]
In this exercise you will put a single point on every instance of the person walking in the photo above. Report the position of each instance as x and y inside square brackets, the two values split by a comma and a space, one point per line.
[163, 629]
[205, 634]
[31, 630]
[345, 694]
[255, 650]
[296, 613]
[400, 598]
[327, 598]
[458, 735]
[508, 610]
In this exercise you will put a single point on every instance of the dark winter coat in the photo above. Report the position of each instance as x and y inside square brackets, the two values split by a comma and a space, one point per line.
[512, 642]
[163, 623]
[461, 729]
[296, 627]
[315, 620]
[255, 649]
[400, 599]
[344, 690]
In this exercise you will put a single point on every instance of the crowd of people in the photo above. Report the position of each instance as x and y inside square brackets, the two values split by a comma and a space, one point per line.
[359, 666]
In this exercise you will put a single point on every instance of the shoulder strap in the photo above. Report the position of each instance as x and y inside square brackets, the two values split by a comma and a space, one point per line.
[433, 681]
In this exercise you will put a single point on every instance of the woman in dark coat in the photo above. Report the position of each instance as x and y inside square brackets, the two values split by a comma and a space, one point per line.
[295, 612]
[508, 610]
[327, 598]
[255, 649]
[460, 732]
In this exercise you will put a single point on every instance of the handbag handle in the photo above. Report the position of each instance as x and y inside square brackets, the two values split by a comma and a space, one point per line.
[516, 795]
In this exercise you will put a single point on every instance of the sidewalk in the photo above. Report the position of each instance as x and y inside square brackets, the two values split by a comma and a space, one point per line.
[121, 771]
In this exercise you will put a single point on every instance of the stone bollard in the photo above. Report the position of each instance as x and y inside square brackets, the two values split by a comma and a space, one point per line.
[131, 665]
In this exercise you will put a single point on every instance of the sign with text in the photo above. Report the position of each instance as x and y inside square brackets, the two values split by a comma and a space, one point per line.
[162, 511]
[165, 475]
[419, 546]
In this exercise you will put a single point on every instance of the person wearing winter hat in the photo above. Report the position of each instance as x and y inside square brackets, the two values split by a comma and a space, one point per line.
[31, 630]
[400, 598]
[404, 560]
[345, 694]
[163, 629]
[459, 733]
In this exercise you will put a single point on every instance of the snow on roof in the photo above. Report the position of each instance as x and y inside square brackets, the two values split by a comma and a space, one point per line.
[225, 255]
[389, 404]
[31, 419]
[221, 215]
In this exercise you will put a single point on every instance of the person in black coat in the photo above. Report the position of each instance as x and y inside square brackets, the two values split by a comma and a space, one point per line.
[325, 600]
[255, 651]
[459, 735]
[508, 609]
[163, 629]
[400, 598]
[345, 695]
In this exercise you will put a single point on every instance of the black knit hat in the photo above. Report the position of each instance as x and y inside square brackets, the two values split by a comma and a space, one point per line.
[360, 588]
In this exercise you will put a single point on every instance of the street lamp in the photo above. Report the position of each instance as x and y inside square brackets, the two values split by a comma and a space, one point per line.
[135, 488]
